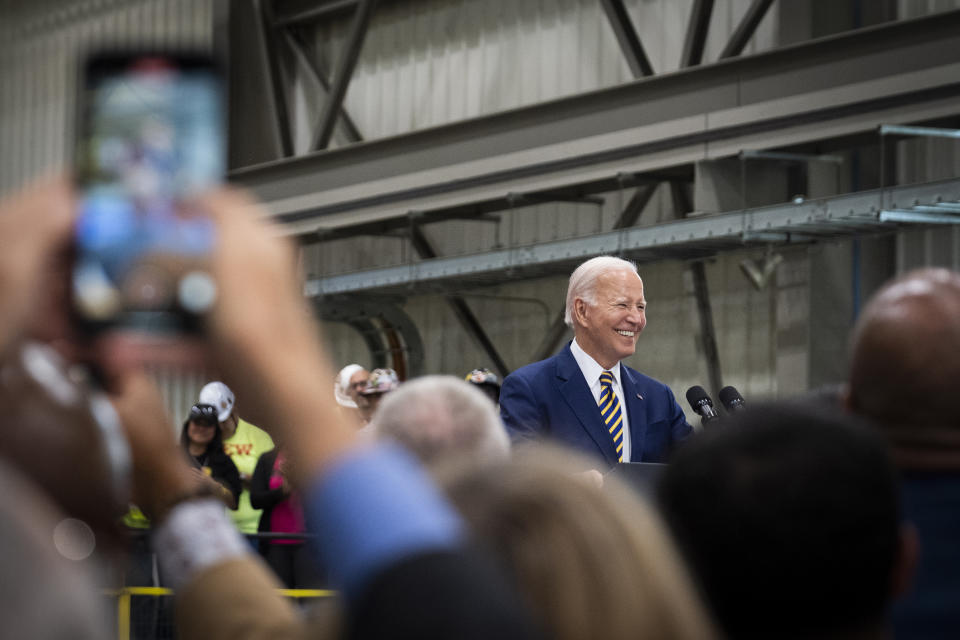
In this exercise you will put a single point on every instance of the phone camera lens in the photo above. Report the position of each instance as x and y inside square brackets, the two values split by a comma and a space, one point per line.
[197, 292]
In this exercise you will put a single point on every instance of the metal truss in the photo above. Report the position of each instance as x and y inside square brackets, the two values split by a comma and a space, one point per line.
[282, 26]
[900, 73]
[627, 37]
[692, 238]
[283, 37]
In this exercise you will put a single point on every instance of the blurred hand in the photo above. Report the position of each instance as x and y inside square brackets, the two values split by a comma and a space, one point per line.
[258, 307]
[259, 304]
[161, 472]
[201, 476]
[53, 433]
[204, 479]
[591, 478]
[35, 233]
[264, 336]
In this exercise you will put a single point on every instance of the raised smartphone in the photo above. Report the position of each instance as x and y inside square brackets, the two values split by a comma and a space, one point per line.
[151, 137]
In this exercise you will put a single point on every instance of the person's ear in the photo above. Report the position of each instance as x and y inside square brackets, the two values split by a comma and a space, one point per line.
[579, 311]
[905, 566]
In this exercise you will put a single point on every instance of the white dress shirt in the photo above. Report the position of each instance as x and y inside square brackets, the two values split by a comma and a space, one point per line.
[591, 371]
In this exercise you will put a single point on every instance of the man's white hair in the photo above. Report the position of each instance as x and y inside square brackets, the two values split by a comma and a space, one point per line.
[583, 281]
[438, 417]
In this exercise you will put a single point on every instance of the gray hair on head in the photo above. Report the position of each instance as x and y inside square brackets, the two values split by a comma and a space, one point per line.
[583, 281]
[438, 417]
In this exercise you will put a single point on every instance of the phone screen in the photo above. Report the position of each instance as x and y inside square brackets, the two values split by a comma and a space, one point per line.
[151, 138]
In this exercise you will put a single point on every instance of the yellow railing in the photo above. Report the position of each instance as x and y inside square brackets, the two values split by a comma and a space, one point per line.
[124, 594]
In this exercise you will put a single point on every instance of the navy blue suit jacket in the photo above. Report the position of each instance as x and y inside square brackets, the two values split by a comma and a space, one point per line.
[551, 399]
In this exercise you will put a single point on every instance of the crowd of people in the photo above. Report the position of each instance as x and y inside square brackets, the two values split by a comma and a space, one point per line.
[456, 508]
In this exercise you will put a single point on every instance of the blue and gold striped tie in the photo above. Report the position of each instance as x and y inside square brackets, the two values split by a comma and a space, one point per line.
[610, 411]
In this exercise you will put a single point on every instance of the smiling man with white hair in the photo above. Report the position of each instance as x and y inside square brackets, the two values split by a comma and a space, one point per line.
[583, 396]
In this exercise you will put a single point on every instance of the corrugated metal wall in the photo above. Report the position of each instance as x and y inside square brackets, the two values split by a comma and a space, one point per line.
[921, 160]
[928, 160]
[916, 8]
[41, 44]
[437, 61]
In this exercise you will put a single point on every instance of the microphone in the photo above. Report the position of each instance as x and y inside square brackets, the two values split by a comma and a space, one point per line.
[702, 404]
[731, 399]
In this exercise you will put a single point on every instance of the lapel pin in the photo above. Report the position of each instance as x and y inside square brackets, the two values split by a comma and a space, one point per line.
[639, 396]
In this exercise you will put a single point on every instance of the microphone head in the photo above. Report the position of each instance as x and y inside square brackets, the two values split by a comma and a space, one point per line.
[731, 399]
[697, 397]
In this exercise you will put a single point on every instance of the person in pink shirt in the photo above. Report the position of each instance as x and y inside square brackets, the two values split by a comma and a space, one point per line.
[271, 491]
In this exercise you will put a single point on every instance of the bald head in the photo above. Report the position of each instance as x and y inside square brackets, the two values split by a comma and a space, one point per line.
[905, 363]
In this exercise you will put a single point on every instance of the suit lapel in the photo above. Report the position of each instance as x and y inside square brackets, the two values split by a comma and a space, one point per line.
[636, 412]
[576, 393]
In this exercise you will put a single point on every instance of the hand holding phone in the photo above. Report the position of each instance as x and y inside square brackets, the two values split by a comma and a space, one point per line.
[151, 139]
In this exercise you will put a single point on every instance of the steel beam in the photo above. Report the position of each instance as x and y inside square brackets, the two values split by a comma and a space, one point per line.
[697, 28]
[940, 207]
[701, 292]
[708, 335]
[638, 202]
[690, 238]
[745, 30]
[845, 85]
[682, 204]
[341, 80]
[308, 56]
[278, 91]
[483, 212]
[526, 199]
[385, 227]
[923, 132]
[324, 10]
[627, 36]
[918, 217]
[790, 157]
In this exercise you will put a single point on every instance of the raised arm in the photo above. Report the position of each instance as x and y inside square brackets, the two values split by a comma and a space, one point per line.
[384, 531]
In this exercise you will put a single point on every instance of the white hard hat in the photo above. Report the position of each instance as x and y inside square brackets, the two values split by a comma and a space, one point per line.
[220, 396]
[342, 384]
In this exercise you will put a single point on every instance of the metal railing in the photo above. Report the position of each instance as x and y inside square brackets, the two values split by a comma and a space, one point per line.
[161, 626]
